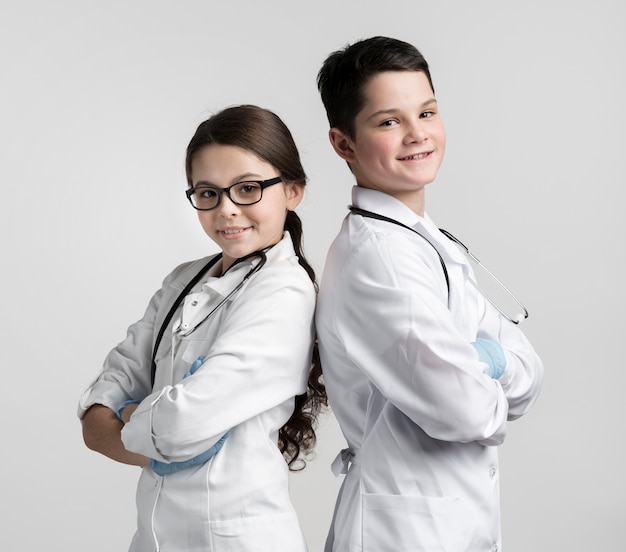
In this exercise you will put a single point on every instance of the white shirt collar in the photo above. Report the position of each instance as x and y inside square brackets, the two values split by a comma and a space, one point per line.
[384, 204]
[223, 285]
[197, 305]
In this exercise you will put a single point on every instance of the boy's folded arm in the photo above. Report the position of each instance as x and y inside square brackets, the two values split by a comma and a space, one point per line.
[522, 377]
[414, 353]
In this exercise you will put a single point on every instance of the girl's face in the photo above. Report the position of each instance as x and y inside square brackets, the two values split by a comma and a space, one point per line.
[242, 229]
[399, 139]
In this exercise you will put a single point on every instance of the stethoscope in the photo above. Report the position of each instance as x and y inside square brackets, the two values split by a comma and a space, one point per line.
[516, 320]
[255, 268]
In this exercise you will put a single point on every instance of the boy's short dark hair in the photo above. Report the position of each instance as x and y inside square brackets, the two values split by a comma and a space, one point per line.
[345, 72]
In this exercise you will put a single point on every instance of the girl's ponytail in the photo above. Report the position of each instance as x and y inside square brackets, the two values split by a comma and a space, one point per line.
[293, 225]
[298, 434]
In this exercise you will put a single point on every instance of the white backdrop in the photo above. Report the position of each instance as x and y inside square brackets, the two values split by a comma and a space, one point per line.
[99, 100]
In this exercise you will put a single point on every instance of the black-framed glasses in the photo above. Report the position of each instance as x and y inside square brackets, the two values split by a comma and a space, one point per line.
[248, 192]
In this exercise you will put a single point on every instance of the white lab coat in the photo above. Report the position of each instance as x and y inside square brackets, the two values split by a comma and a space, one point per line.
[419, 413]
[258, 348]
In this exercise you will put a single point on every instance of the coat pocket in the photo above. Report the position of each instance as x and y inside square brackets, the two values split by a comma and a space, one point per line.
[411, 523]
[278, 533]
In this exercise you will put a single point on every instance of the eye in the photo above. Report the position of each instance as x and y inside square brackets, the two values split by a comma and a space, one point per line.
[205, 193]
[247, 188]
[427, 114]
[389, 123]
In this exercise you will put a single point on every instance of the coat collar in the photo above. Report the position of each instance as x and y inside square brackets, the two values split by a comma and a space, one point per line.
[223, 285]
[384, 204]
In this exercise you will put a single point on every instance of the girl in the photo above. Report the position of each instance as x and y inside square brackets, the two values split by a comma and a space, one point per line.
[214, 392]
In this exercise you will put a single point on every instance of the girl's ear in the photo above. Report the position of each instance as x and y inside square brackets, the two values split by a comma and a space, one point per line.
[342, 144]
[295, 193]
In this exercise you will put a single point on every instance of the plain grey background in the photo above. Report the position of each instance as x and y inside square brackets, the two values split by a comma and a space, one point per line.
[99, 100]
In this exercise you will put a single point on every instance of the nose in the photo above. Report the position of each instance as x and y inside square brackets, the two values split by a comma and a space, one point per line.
[415, 132]
[227, 208]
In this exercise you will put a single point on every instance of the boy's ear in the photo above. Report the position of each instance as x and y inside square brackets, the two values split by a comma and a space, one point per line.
[342, 144]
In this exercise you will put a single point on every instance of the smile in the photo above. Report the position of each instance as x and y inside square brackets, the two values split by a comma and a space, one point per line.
[416, 156]
[233, 233]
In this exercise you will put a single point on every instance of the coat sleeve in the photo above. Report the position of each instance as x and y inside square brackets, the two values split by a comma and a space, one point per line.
[259, 359]
[396, 326]
[523, 376]
[126, 371]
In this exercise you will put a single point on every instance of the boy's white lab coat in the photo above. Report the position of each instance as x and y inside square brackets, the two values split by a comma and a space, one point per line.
[258, 348]
[420, 415]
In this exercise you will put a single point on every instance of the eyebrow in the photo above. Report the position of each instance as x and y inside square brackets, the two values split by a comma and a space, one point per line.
[241, 178]
[393, 111]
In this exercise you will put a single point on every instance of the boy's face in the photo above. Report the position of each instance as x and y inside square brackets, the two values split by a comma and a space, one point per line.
[399, 139]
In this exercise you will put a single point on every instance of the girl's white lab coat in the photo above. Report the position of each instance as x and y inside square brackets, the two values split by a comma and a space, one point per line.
[420, 415]
[258, 348]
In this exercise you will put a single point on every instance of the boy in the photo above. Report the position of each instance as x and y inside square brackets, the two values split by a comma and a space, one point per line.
[421, 371]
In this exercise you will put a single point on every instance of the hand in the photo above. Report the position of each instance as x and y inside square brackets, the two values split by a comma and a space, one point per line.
[491, 353]
[194, 367]
[164, 468]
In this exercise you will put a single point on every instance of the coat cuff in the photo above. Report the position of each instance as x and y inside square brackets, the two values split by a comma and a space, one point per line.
[137, 434]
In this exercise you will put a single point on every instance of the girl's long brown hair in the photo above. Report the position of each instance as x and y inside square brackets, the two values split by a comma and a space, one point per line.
[262, 132]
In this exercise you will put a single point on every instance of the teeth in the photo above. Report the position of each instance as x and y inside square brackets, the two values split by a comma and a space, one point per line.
[233, 231]
[418, 156]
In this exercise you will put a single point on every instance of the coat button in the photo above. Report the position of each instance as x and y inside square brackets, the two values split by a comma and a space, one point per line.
[492, 473]
[494, 548]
